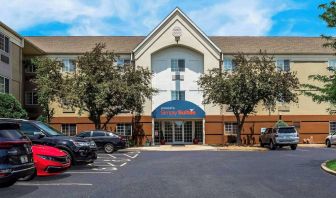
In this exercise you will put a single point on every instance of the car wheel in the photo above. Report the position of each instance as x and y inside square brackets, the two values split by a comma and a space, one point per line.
[328, 143]
[108, 148]
[272, 145]
[29, 177]
[7, 184]
[293, 147]
[70, 156]
[261, 144]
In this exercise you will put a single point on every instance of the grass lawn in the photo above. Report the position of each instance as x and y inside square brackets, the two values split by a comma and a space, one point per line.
[332, 165]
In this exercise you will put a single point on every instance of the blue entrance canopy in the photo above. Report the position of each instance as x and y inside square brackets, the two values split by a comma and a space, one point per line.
[178, 109]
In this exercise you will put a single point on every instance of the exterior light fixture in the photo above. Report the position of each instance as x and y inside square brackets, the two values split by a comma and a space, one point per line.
[177, 32]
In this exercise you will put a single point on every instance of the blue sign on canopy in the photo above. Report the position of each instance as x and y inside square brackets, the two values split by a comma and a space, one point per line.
[178, 109]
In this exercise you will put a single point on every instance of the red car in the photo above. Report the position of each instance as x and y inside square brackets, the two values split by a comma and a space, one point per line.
[48, 161]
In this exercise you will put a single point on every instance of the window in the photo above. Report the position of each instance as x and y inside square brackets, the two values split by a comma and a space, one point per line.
[178, 77]
[228, 64]
[283, 65]
[98, 134]
[28, 129]
[332, 127]
[122, 61]
[4, 59]
[332, 64]
[31, 98]
[178, 65]
[124, 129]
[4, 85]
[85, 134]
[178, 95]
[4, 43]
[69, 129]
[231, 128]
[30, 68]
[69, 65]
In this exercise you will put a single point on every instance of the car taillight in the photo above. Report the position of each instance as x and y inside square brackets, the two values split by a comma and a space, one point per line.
[5, 145]
[4, 172]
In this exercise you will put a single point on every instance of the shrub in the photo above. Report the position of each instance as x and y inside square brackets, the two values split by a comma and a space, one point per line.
[10, 107]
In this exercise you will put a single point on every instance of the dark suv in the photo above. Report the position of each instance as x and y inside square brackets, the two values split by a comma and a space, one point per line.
[16, 159]
[79, 149]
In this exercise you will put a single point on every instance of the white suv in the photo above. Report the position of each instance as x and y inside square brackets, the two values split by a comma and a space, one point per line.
[331, 139]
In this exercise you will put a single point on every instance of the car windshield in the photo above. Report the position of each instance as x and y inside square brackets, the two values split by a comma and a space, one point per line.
[48, 129]
[286, 130]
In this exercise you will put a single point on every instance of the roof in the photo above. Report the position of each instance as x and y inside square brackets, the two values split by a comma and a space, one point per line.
[228, 44]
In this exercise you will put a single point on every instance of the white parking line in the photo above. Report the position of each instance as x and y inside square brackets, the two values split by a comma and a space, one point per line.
[110, 164]
[131, 156]
[84, 172]
[53, 184]
[123, 164]
[112, 156]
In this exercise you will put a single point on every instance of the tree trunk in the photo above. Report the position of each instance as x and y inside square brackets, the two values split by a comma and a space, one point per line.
[240, 124]
[96, 120]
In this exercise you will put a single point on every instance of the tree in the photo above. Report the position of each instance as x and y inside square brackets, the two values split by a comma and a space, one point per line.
[10, 107]
[48, 83]
[253, 81]
[325, 89]
[102, 88]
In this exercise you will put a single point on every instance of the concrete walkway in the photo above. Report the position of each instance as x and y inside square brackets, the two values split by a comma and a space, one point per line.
[210, 148]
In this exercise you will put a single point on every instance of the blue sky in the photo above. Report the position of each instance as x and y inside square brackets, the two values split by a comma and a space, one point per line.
[135, 17]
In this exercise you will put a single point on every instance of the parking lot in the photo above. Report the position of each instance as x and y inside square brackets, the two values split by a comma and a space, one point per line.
[276, 174]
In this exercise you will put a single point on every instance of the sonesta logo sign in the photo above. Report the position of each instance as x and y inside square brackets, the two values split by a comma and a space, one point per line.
[173, 112]
[178, 109]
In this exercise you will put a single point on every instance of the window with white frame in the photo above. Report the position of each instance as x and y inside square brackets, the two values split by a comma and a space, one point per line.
[228, 64]
[332, 64]
[69, 65]
[177, 65]
[69, 129]
[123, 61]
[31, 98]
[283, 65]
[332, 126]
[4, 43]
[4, 85]
[124, 129]
[230, 128]
[178, 95]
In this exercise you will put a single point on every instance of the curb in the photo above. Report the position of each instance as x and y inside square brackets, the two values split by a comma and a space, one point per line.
[326, 169]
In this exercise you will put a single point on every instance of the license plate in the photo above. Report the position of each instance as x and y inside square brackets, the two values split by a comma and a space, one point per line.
[24, 159]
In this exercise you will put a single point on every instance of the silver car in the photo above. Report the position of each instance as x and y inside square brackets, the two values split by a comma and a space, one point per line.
[331, 139]
[279, 137]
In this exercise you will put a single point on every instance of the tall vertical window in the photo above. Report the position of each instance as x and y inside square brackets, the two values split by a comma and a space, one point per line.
[69, 129]
[230, 128]
[283, 65]
[332, 126]
[4, 85]
[178, 95]
[4, 43]
[332, 64]
[178, 65]
[69, 65]
[31, 98]
[228, 64]
[124, 129]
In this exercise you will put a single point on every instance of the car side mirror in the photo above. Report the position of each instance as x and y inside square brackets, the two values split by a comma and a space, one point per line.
[39, 135]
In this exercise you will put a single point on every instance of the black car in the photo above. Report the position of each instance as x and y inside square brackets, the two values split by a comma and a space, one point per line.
[16, 158]
[79, 149]
[105, 140]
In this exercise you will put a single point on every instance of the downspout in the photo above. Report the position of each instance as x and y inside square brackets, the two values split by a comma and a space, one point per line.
[222, 116]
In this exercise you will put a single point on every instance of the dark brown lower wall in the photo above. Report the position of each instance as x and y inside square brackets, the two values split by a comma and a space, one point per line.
[314, 127]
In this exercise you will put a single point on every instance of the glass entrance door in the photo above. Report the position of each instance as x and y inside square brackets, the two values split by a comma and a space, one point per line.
[178, 131]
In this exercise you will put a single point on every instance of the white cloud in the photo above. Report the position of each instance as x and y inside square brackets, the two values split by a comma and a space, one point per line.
[239, 17]
[134, 17]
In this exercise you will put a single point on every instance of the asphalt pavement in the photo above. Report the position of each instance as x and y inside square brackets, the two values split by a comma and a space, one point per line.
[281, 173]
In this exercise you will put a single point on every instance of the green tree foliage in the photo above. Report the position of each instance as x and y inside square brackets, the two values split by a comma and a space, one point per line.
[324, 87]
[103, 89]
[253, 81]
[10, 107]
[48, 83]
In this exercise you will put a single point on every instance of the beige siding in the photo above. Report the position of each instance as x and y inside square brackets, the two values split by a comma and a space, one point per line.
[16, 64]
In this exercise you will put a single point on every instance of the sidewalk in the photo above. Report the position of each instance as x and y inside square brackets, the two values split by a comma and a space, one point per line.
[193, 147]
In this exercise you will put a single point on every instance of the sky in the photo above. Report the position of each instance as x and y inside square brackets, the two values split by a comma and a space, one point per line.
[139, 17]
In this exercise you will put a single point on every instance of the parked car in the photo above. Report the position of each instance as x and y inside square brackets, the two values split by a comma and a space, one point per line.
[279, 137]
[16, 158]
[331, 139]
[105, 140]
[80, 150]
[48, 161]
